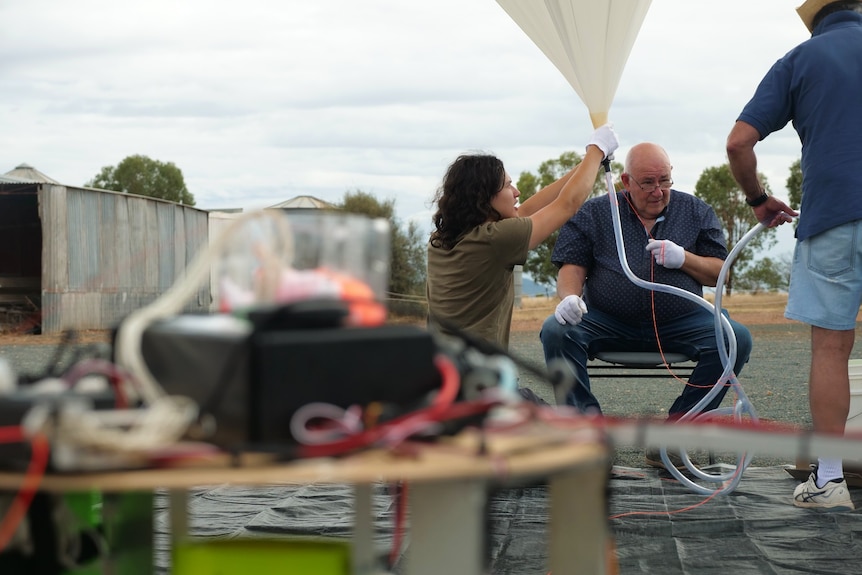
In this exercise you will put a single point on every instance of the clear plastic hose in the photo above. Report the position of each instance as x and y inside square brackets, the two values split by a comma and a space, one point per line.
[723, 328]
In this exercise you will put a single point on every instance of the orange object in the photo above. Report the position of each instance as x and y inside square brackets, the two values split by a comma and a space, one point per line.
[365, 310]
[297, 285]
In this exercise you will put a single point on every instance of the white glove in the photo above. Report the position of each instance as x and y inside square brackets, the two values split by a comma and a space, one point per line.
[605, 139]
[667, 253]
[570, 310]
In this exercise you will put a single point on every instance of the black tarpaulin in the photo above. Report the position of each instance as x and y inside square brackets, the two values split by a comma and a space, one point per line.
[663, 527]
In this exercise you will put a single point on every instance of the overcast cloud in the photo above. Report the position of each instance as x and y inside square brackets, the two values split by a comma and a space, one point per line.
[259, 101]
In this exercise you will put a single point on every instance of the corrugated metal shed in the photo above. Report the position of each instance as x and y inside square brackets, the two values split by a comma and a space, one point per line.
[26, 173]
[20, 254]
[85, 258]
[107, 254]
[302, 202]
[4, 179]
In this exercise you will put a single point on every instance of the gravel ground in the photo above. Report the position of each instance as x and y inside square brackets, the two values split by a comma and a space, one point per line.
[34, 358]
[775, 381]
[775, 378]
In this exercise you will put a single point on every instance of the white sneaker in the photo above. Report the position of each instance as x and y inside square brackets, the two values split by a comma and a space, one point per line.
[833, 496]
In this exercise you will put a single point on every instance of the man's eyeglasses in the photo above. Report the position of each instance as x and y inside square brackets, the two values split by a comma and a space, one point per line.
[650, 185]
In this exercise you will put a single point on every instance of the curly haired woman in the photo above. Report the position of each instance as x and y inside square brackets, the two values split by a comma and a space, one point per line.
[481, 233]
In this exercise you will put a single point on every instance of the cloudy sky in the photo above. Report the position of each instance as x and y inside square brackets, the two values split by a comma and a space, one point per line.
[262, 100]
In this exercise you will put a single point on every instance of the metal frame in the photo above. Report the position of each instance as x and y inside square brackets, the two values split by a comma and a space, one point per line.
[605, 364]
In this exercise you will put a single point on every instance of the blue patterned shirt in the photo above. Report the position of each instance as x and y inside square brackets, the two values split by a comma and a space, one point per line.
[588, 240]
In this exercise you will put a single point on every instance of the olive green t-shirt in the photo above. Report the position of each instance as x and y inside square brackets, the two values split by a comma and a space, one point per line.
[471, 286]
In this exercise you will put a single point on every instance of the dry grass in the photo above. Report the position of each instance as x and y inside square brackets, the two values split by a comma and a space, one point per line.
[83, 336]
[759, 309]
[749, 309]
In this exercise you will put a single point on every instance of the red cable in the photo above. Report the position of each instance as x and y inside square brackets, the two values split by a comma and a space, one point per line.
[652, 306]
[451, 383]
[442, 408]
[372, 436]
[32, 479]
[400, 516]
[11, 434]
[111, 371]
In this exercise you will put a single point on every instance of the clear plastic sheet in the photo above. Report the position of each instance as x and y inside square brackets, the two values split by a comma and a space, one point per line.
[753, 530]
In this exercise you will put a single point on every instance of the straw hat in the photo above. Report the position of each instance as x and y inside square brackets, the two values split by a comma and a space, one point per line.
[809, 10]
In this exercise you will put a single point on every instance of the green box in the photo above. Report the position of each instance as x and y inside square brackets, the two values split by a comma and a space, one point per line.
[270, 556]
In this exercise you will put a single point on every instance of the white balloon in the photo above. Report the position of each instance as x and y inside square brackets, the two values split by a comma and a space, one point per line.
[589, 42]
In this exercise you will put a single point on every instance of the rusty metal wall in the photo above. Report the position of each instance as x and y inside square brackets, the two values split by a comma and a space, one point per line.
[105, 254]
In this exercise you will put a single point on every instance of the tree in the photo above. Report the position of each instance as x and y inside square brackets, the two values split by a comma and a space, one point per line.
[143, 176]
[794, 188]
[717, 188]
[765, 275]
[538, 263]
[407, 269]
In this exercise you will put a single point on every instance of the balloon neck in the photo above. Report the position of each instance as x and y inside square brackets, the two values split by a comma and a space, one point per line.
[607, 164]
[599, 118]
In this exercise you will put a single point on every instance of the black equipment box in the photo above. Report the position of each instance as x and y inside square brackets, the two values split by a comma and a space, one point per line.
[252, 383]
[343, 366]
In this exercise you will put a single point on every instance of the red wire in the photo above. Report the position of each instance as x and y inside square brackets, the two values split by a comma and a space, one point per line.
[451, 383]
[652, 305]
[116, 382]
[400, 516]
[32, 479]
[442, 408]
[372, 436]
[11, 434]
[115, 376]
[652, 293]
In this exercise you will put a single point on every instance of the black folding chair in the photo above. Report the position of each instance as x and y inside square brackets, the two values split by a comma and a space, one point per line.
[639, 364]
[614, 358]
[609, 358]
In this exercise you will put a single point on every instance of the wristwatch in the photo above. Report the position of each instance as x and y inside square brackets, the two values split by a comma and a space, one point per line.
[759, 200]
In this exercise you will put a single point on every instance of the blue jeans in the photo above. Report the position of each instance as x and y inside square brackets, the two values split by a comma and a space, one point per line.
[691, 333]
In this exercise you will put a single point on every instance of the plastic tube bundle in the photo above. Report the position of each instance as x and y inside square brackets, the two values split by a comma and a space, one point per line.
[743, 406]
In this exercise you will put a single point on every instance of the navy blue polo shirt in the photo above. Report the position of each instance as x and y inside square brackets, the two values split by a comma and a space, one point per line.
[818, 86]
[588, 240]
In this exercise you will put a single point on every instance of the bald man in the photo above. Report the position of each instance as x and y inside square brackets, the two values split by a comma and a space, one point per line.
[670, 237]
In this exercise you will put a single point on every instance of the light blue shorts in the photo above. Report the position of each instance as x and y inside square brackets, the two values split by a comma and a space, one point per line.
[826, 278]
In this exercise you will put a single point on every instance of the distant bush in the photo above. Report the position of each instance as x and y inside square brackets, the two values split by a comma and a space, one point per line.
[407, 311]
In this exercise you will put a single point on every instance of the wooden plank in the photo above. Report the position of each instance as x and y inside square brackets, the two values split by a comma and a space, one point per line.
[430, 463]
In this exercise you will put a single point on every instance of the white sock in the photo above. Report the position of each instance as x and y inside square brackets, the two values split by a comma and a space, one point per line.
[827, 470]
